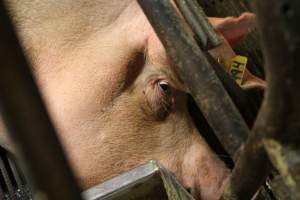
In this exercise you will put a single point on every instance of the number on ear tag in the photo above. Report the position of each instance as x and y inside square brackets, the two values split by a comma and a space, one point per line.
[235, 67]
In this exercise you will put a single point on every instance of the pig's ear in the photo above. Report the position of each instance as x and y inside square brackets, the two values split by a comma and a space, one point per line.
[253, 82]
[234, 29]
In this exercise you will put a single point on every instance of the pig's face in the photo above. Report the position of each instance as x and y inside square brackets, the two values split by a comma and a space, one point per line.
[112, 93]
[146, 120]
[150, 120]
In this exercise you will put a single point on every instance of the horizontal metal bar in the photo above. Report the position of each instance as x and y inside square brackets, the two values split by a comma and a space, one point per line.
[26, 118]
[148, 181]
[194, 69]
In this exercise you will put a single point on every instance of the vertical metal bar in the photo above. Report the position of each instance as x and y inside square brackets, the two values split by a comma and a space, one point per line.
[242, 99]
[15, 171]
[1, 193]
[26, 118]
[7, 181]
[275, 138]
[250, 47]
[200, 34]
[194, 69]
[195, 16]
[207, 38]
[251, 169]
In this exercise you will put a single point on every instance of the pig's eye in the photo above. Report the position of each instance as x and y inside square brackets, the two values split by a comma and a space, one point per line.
[159, 97]
[164, 87]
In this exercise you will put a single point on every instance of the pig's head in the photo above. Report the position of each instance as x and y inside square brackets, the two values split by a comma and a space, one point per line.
[150, 121]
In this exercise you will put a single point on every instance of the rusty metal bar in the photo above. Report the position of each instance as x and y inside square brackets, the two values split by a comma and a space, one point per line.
[242, 99]
[250, 46]
[275, 138]
[200, 35]
[196, 18]
[207, 38]
[26, 118]
[195, 70]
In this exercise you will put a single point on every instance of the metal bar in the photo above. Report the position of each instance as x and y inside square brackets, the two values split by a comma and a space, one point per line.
[148, 181]
[213, 38]
[7, 180]
[242, 99]
[26, 118]
[250, 46]
[251, 169]
[15, 171]
[192, 66]
[196, 18]
[2, 193]
[275, 138]
[200, 35]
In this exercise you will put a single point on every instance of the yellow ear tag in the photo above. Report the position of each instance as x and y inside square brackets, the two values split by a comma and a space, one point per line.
[235, 67]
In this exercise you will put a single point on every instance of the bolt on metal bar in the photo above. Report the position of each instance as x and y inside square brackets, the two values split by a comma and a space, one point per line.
[26, 118]
[275, 138]
[192, 66]
[197, 19]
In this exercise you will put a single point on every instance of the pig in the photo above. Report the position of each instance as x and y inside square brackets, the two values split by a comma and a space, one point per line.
[112, 93]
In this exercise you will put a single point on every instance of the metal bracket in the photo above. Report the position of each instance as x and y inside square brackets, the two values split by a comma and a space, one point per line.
[149, 181]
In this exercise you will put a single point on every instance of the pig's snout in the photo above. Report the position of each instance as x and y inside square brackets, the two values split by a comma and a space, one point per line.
[204, 174]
